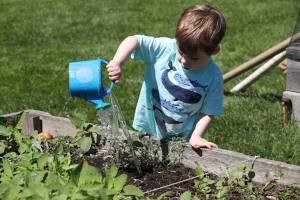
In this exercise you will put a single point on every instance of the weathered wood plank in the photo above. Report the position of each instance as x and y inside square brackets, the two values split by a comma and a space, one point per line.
[293, 76]
[295, 99]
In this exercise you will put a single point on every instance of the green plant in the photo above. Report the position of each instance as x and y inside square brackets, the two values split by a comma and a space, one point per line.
[80, 182]
[202, 184]
[81, 138]
[13, 143]
[187, 196]
[175, 148]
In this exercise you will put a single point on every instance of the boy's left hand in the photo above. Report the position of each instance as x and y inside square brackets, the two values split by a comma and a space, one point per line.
[198, 142]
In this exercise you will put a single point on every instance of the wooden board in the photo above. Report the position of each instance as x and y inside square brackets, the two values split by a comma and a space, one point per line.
[293, 76]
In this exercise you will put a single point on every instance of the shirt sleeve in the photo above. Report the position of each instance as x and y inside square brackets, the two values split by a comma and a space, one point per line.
[149, 48]
[212, 104]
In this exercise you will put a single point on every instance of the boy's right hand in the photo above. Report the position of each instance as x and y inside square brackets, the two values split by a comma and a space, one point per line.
[114, 71]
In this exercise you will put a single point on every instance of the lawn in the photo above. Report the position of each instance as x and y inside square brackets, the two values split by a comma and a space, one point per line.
[39, 38]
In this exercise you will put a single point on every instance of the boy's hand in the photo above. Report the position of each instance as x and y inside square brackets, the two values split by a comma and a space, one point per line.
[114, 71]
[198, 142]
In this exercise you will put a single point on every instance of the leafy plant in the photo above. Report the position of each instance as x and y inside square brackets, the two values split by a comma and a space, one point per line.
[202, 184]
[11, 136]
[81, 138]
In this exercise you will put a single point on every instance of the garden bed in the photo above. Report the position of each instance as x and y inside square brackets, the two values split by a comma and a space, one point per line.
[154, 177]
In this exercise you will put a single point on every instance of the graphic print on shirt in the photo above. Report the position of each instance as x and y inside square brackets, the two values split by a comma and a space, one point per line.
[167, 104]
[169, 122]
[181, 94]
[182, 79]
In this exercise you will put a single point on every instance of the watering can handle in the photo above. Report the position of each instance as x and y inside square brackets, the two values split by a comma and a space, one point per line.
[112, 83]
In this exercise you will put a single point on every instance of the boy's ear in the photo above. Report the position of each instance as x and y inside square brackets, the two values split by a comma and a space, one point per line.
[216, 50]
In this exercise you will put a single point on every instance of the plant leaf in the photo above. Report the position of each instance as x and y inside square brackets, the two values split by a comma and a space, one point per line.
[132, 190]
[59, 149]
[78, 135]
[90, 186]
[60, 197]
[85, 143]
[5, 131]
[36, 188]
[81, 115]
[94, 130]
[230, 180]
[196, 198]
[241, 183]
[222, 174]
[186, 195]
[78, 120]
[7, 168]
[119, 182]
[241, 168]
[199, 171]
[10, 155]
[18, 136]
[65, 189]
[18, 120]
[102, 194]
[2, 147]
[163, 195]
[80, 173]
[3, 121]
[11, 193]
[280, 174]
[219, 183]
[137, 144]
[22, 148]
[42, 160]
[108, 181]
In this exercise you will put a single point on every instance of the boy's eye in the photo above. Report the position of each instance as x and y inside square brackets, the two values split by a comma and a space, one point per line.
[194, 58]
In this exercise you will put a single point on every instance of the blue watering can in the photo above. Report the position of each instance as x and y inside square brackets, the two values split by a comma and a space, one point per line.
[85, 81]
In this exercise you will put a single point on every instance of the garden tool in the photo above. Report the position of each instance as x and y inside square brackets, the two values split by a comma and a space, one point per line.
[85, 81]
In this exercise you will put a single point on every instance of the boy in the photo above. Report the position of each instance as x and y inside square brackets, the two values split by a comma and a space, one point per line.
[182, 88]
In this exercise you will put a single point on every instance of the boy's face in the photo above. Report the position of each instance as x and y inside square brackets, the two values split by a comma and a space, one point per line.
[192, 62]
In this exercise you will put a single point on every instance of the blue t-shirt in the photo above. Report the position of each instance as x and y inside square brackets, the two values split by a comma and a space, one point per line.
[171, 96]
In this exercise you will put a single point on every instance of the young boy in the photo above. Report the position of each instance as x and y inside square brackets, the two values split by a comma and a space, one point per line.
[183, 87]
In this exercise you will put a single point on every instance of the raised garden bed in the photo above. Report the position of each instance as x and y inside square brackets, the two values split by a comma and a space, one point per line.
[154, 177]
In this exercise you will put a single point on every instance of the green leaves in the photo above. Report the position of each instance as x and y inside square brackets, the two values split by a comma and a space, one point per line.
[8, 170]
[3, 121]
[78, 119]
[42, 161]
[5, 131]
[18, 120]
[132, 190]
[119, 182]
[85, 143]
[80, 173]
[94, 130]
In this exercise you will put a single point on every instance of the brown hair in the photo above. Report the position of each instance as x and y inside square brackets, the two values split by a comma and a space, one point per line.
[200, 26]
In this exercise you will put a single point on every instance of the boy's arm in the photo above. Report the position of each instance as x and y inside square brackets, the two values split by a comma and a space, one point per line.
[124, 51]
[197, 141]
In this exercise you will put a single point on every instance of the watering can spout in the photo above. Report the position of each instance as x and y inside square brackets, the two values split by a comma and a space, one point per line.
[85, 81]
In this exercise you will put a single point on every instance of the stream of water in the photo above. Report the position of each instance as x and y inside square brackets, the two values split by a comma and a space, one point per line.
[112, 121]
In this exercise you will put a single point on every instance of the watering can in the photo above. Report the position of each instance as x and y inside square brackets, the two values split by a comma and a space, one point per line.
[85, 81]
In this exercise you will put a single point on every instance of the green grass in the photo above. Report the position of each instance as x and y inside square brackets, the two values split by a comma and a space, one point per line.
[39, 38]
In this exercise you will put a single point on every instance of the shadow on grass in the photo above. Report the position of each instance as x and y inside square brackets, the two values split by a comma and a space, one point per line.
[245, 94]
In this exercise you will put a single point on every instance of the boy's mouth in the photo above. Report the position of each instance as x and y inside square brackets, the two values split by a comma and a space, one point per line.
[184, 67]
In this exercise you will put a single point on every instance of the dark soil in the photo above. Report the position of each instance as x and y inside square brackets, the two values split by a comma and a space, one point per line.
[159, 176]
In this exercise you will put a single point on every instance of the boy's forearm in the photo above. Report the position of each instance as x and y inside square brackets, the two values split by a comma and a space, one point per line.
[125, 50]
[203, 124]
